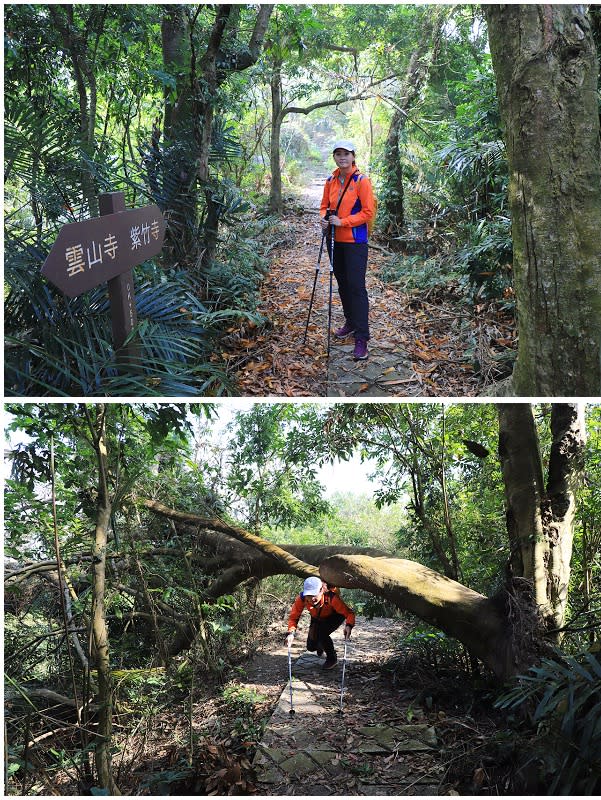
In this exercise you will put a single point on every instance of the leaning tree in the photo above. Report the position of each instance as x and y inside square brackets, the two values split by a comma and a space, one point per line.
[503, 631]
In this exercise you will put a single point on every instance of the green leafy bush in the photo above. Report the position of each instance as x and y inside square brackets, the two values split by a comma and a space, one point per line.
[566, 693]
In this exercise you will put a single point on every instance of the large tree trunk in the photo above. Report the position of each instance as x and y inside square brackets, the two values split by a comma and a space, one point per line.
[540, 518]
[482, 624]
[565, 472]
[546, 69]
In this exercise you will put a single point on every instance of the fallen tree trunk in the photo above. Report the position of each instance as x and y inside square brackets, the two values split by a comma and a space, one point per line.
[249, 556]
[483, 624]
[500, 631]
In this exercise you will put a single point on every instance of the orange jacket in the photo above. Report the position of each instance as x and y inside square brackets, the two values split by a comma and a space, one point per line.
[356, 209]
[329, 603]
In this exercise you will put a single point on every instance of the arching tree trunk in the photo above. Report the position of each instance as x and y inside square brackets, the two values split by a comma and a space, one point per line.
[546, 70]
[480, 623]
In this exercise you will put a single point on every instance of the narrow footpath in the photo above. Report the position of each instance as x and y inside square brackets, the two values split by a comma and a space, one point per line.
[423, 344]
[381, 744]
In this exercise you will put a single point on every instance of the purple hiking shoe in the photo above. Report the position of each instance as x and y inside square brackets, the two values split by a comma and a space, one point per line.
[360, 352]
[342, 333]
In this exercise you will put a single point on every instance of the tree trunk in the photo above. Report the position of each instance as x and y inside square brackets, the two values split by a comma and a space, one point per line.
[546, 70]
[76, 45]
[100, 638]
[482, 624]
[540, 519]
[565, 472]
[275, 190]
[175, 45]
[524, 491]
[416, 77]
[479, 622]
[179, 156]
[189, 123]
[393, 198]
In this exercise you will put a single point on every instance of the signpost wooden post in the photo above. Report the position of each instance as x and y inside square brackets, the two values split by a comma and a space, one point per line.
[106, 248]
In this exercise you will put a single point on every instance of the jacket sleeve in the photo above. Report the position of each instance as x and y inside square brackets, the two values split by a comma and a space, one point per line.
[295, 612]
[341, 607]
[368, 205]
[325, 199]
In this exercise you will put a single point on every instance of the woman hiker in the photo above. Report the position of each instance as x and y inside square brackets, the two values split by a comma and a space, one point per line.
[328, 611]
[348, 205]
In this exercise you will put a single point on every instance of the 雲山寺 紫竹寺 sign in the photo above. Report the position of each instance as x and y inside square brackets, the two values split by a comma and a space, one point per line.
[91, 252]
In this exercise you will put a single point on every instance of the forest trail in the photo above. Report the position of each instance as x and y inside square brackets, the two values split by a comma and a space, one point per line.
[380, 745]
[422, 344]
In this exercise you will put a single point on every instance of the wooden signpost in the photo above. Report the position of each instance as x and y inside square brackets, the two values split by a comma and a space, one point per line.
[106, 248]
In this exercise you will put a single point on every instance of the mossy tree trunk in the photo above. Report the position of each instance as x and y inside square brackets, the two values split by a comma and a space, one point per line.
[546, 70]
[540, 515]
[481, 623]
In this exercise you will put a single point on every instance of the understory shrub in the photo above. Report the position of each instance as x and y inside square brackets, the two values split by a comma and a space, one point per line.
[561, 699]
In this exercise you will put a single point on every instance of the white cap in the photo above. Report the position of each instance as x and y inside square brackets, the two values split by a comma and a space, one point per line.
[344, 144]
[312, 586]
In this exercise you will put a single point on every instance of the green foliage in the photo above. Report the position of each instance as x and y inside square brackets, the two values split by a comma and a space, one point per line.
[430, 648]
[63, 347]
[456, 174]
[485, 262]
[566, 723]
[368, 605]
[244, 701]
[415, 272]
[267, 473]
[54, 170]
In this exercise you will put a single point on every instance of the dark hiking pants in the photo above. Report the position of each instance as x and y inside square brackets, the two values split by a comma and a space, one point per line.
[319, 634]
[350, 266]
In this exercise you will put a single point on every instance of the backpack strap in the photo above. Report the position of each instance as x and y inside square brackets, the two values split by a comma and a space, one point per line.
[351, 176]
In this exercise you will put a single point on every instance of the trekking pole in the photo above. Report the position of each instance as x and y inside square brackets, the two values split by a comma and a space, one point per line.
[290, 679]
[323, 238]
[343, 673]
[330, 299]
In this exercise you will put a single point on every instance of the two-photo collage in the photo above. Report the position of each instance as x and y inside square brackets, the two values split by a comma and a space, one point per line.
[302, 399]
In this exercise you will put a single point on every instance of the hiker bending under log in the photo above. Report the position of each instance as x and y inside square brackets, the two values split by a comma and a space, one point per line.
[347, 207]
[328, 611]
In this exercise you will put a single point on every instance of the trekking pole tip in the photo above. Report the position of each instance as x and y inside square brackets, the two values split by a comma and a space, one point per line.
[292, 711]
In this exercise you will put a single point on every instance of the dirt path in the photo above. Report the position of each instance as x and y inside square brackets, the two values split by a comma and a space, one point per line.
[421, 344]
[380, 745]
